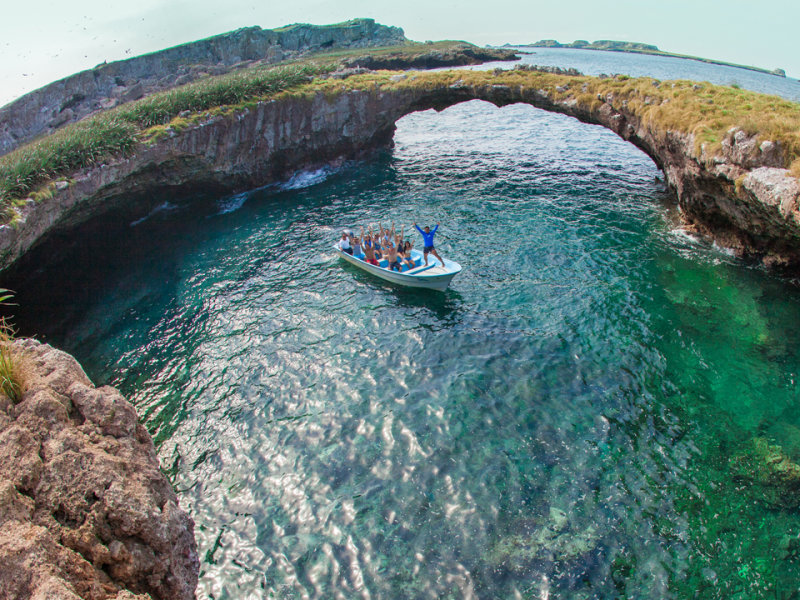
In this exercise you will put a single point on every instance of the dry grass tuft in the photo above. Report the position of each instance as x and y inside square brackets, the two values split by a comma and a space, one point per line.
[13, 365]
[13, 372]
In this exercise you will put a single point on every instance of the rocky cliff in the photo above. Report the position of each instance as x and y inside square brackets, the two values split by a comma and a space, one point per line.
[85, 511]
[742, 197]
[107, 85]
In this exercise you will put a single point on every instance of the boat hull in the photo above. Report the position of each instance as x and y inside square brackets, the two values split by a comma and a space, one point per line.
[431, 278]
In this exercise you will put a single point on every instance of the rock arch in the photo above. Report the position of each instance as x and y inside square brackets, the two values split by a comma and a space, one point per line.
[743, 197]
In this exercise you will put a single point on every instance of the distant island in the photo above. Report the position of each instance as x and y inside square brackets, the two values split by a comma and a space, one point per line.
[639, 48]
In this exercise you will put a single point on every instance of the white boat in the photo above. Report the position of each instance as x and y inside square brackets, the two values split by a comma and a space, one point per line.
[436, 276]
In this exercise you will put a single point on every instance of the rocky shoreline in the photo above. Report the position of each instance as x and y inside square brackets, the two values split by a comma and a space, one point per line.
[85, 511]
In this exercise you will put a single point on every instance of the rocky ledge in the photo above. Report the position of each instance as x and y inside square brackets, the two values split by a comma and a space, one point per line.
[85, 511]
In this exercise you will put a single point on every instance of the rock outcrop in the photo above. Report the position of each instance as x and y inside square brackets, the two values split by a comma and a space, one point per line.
[85, 511]
[456, 54]
[743, 198]
[108, 85]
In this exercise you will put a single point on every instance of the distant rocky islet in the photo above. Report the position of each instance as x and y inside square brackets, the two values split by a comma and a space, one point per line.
[638, 48]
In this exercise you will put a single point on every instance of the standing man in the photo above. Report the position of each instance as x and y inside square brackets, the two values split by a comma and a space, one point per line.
[427, 242]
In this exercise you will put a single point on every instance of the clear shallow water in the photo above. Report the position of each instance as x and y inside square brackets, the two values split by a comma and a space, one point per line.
[561, 421]
[596, 62]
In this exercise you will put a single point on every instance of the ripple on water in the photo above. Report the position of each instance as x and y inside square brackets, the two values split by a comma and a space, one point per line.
[559, 421]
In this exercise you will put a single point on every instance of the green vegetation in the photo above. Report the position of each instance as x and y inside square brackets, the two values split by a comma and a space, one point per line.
[408, 53]
[704, 110]
[115, 132]
[65, 151]
[639, 48]
[12, 363]
[12, 382]
[232, 88]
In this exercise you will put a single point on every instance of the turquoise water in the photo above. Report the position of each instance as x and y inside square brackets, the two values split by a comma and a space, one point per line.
[563, 422]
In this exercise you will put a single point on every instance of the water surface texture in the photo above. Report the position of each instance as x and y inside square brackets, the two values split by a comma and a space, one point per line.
[597, 62]
[559, 423]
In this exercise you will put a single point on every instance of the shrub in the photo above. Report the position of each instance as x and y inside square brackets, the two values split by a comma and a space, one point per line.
[12, 372]
[12, 363]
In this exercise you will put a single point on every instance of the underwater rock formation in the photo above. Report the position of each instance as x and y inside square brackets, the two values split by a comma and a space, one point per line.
[85, 511]
[772, 474]
[554, 538]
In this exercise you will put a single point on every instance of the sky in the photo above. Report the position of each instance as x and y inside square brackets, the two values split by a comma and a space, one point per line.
[44, 40]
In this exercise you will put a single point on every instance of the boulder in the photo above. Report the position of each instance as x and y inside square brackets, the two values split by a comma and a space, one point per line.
[85, 511]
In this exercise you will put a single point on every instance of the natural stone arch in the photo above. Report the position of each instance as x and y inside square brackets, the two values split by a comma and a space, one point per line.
[743, 198]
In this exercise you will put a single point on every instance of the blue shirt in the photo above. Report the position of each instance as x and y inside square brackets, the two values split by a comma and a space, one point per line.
[427, 238]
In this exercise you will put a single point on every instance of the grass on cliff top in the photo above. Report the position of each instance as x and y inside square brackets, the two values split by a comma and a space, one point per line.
[114, 132]
[408, 50]
[706, 111]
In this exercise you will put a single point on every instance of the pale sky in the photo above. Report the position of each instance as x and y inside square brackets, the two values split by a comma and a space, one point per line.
[45, 40]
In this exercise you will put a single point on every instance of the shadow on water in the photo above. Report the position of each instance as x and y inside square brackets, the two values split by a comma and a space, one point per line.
[446, 306]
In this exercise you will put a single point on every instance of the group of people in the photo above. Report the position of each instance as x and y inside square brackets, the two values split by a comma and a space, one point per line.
[388, 244]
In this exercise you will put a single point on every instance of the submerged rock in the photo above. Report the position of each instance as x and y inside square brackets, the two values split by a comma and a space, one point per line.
[553, 538]
[774, 477]
[84, 508]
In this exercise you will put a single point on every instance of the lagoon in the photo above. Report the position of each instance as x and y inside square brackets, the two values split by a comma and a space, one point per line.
[566, 419]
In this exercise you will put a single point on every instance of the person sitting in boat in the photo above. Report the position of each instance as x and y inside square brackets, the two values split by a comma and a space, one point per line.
[344, 244]
[409, 260]
[391, 256]
[368, 248]
[427, 246]
[399, 237]
[376, 243]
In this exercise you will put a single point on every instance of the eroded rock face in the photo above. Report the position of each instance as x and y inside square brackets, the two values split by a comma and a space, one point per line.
[85, 511]
[108, 85]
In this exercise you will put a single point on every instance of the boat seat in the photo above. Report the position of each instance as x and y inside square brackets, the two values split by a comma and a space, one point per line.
[420, 269]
